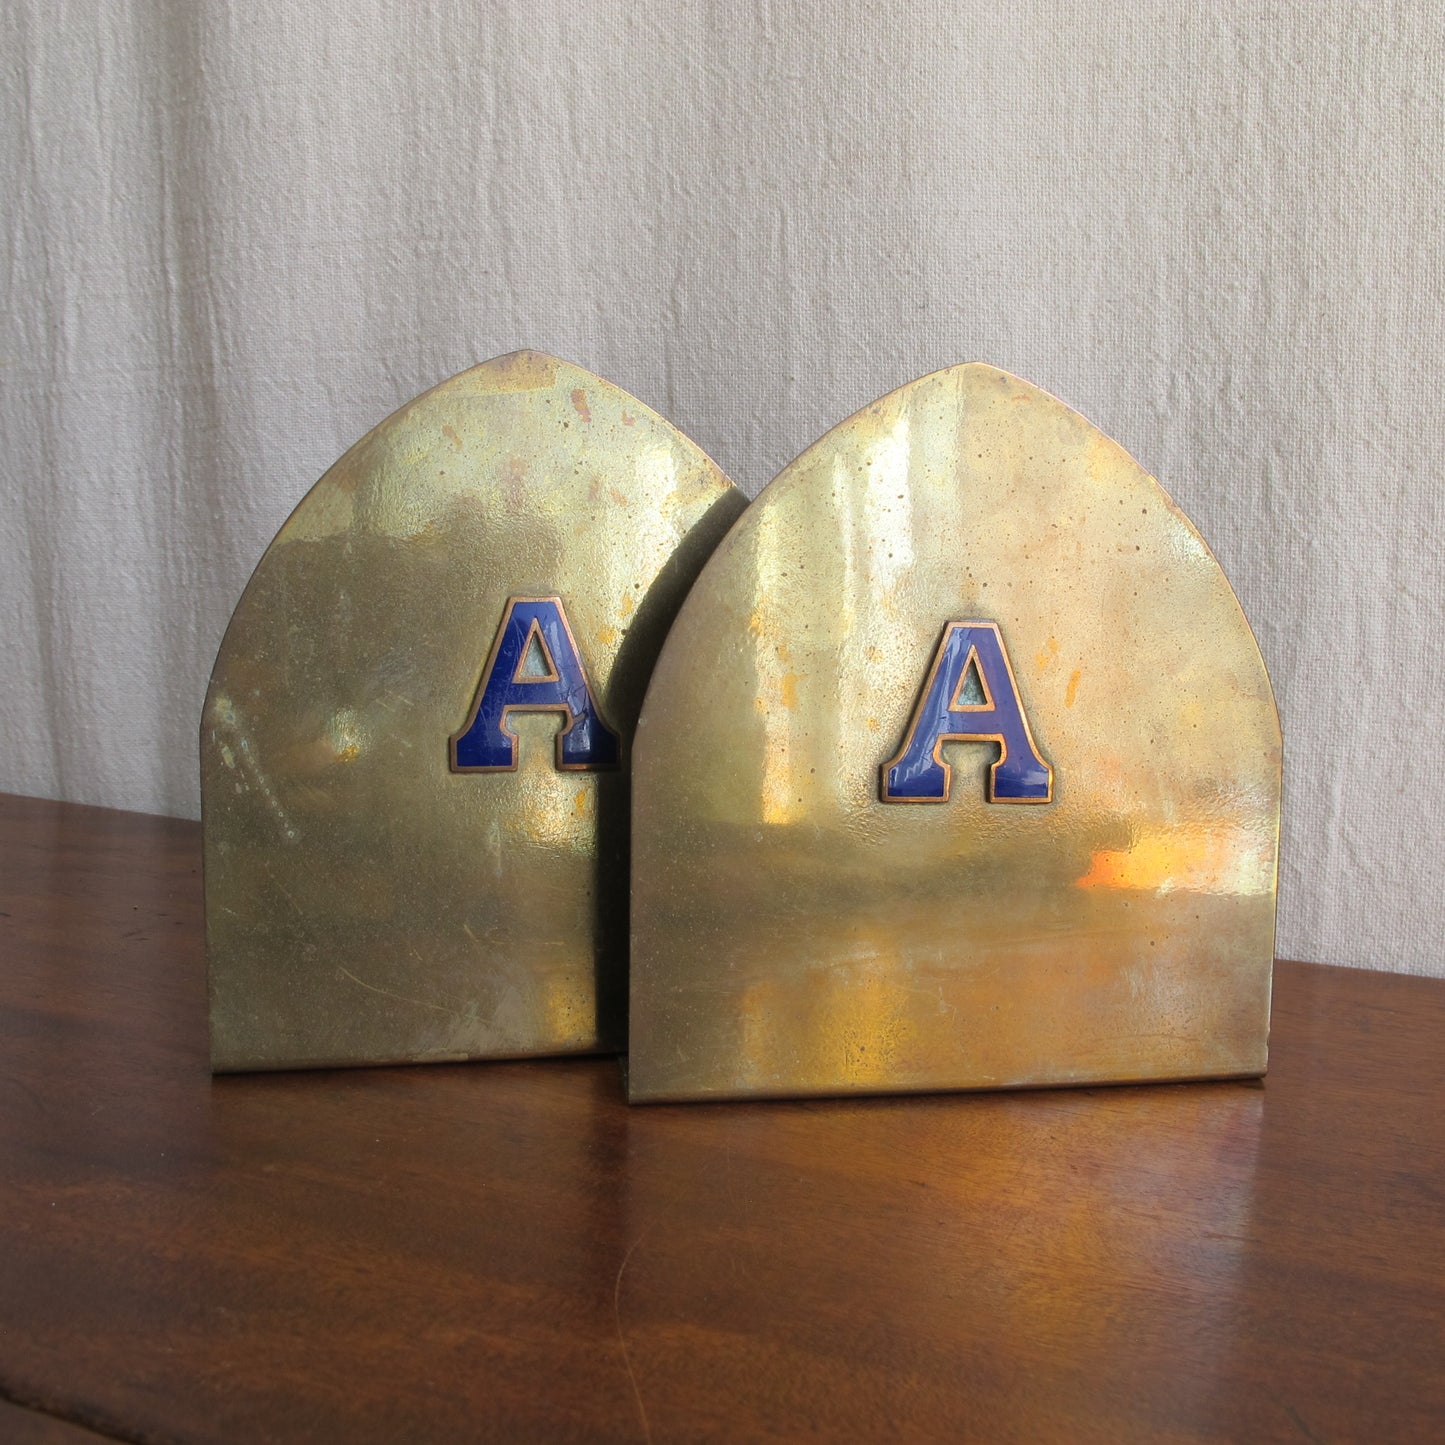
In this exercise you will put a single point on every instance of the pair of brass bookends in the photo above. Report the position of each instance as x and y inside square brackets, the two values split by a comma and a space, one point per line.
[948, 763]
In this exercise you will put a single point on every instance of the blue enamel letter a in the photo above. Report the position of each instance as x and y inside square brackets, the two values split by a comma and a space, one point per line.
[969, 696]
[534, 666]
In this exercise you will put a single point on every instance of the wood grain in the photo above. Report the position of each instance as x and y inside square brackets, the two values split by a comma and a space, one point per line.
[20, 1426]
[507, 1252]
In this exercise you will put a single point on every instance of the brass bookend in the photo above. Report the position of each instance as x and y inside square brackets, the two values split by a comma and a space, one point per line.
[414, 752]
[960, 769]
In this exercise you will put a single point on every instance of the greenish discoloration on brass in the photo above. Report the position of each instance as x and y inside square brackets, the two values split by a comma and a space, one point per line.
[364, 903]
[792, 933]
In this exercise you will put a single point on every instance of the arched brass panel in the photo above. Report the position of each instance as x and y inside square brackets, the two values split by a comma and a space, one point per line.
[366, 902]
[797, 929]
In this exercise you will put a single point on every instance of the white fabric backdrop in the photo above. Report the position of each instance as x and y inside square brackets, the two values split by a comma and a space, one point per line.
[239, 233]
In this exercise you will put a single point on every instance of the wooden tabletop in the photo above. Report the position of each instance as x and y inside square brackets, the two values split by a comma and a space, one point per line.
[508, 1252]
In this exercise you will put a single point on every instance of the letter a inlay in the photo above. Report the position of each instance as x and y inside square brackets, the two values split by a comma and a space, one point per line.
[918, 773]
[511, 682]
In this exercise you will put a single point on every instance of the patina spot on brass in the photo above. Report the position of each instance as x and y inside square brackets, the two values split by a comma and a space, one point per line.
[797, 929]
[365, 902]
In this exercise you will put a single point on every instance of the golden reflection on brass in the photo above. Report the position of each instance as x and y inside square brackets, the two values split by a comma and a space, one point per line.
[794, 934]
[365, 903]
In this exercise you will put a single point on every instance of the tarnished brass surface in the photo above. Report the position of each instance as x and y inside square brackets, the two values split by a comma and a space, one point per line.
[364, 902]
[794, 933]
